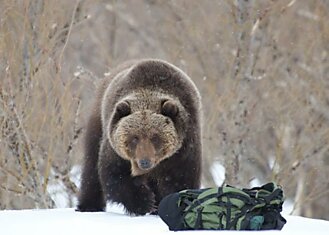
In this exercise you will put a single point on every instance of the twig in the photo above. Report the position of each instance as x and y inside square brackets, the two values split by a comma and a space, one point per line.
[16, 191]
[77, 5]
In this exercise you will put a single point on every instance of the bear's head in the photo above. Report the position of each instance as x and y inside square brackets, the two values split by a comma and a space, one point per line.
[145, 136]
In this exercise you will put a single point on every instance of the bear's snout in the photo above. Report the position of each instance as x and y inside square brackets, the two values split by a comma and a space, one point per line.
[145, 155]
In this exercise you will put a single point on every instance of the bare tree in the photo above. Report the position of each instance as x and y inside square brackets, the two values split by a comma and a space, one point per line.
[262, 68]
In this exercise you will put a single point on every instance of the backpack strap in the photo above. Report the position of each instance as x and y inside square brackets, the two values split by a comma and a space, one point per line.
[230, 194]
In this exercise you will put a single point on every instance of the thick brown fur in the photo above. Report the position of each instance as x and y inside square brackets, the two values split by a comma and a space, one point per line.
[143, 138]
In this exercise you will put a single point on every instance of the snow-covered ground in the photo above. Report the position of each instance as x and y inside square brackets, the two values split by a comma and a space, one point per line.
[114, 221]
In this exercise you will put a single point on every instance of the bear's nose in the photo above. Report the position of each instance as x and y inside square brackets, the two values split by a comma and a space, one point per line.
[144, 164]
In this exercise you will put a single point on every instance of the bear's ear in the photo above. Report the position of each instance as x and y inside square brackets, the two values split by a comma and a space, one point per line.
[123, 109]
[169, 108]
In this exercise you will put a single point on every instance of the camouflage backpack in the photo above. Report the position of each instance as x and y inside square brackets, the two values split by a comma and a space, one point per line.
[224, 208]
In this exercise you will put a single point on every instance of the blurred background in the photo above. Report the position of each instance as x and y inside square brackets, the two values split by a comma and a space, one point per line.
[262, 68]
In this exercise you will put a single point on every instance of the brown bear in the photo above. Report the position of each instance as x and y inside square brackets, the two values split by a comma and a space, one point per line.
[143, 139]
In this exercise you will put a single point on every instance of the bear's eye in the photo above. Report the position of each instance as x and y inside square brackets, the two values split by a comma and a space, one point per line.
[123, 108]
[156, 141]
[169, 109]
[133, 141]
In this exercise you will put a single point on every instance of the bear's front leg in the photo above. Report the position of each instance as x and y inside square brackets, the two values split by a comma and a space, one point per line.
[120, 187]
[132, 192]
[91, 195]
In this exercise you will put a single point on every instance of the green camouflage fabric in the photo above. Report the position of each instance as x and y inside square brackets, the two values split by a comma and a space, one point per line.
[224, 208]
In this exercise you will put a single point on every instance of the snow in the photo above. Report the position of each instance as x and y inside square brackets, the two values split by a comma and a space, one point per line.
[66, 221]
[114, 221]
[218, 172]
